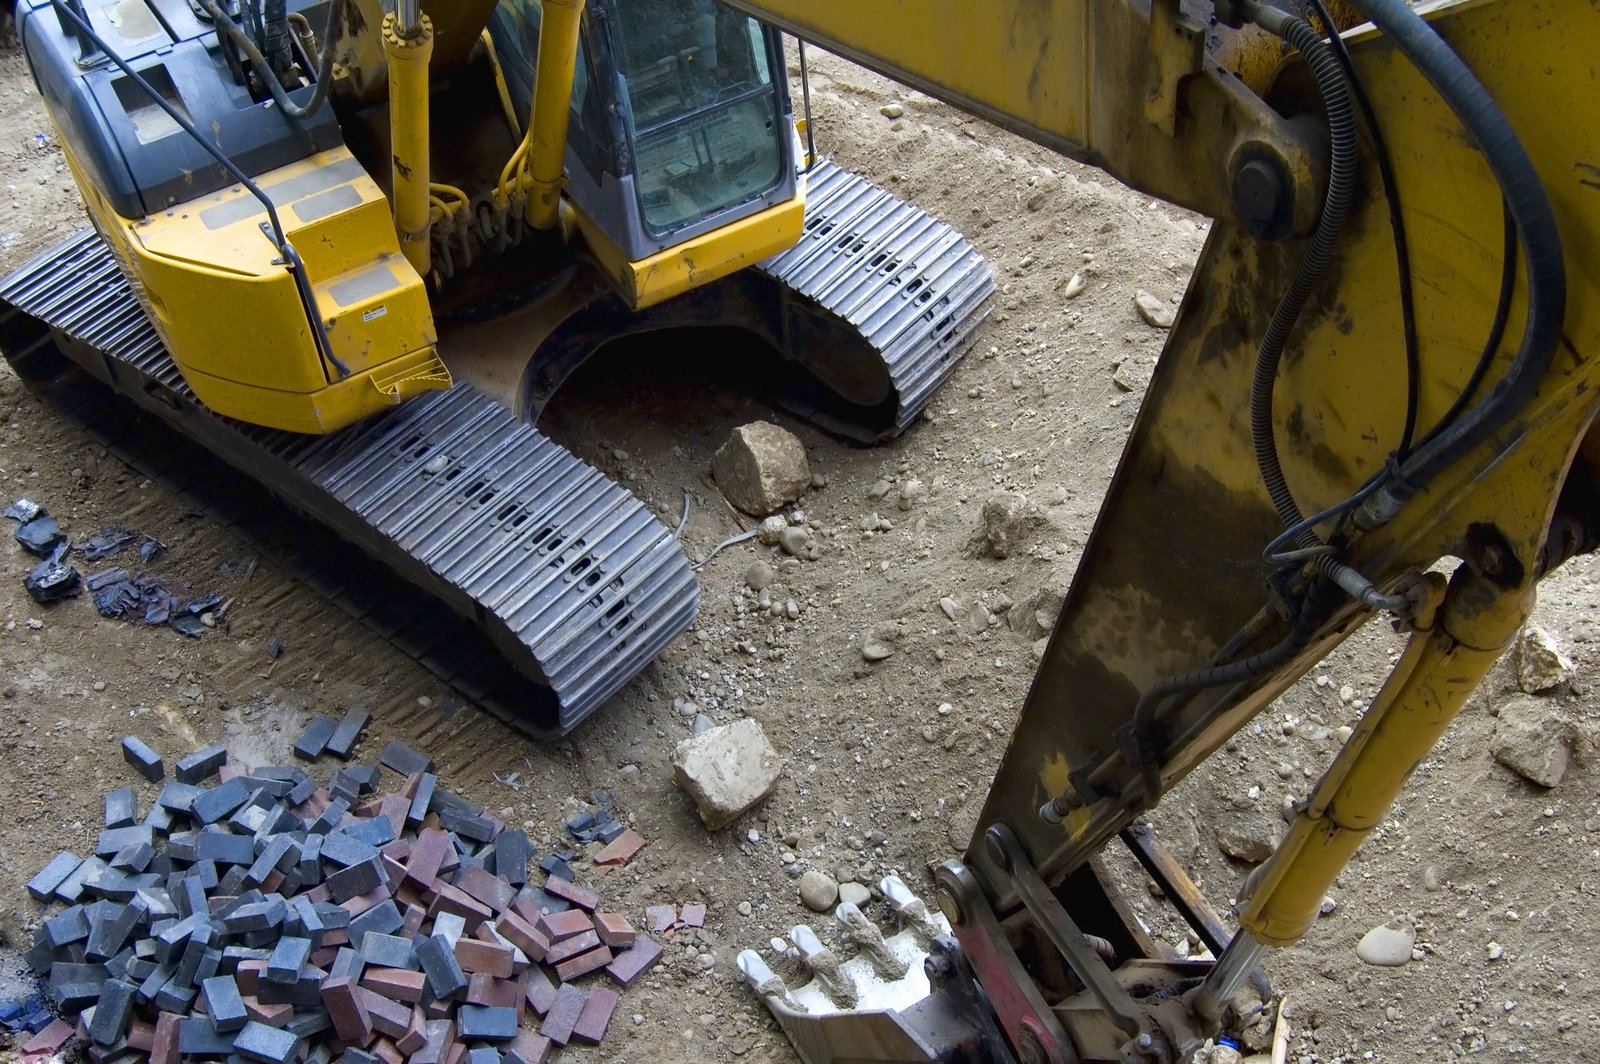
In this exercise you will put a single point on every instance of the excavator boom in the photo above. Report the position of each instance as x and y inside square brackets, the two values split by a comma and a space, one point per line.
[1318, 444]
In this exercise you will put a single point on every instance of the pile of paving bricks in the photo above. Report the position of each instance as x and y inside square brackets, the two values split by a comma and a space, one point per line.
[266, 918]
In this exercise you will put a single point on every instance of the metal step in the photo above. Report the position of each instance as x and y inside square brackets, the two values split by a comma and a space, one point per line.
[577, 585]
[894, 277]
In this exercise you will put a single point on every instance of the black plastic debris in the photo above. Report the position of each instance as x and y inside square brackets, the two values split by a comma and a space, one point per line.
[146, 600]
[41, 534]
[105, 543]
[274, 647]
[52, 579]
[23, 510]
[150, 549]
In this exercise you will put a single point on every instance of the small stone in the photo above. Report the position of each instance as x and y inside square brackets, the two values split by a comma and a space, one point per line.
[878, 490]
[854, 893]
[793, 540]
[727, 770]
[912, 492]
[1430, 878]
[950, 607]
[759, 576]
[1074, 287]
[891, 110]
[702, 724]
[769, 531]
[1329, 903]
[1496, 951]
[1155, 311]
[1540, 663]
[1531, 740]
[744, 908]
[874, 651]
[818, 891]
[761, 468]
[1386, 946]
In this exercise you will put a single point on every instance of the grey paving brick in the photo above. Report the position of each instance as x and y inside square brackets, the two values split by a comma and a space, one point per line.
[145, 761]
[120, 808]
[53, 874]
[343, 741]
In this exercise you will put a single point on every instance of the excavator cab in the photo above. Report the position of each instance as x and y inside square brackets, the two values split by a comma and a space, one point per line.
[680, 130]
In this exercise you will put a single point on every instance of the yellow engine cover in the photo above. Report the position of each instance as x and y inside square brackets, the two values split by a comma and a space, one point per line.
[231, 314]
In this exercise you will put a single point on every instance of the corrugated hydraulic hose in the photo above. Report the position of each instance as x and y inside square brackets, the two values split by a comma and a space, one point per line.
[1330, 78]
[1529, 205]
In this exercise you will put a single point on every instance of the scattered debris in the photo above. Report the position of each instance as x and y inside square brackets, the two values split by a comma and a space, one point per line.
[270, 919]
[727, 770]
[144, 599]
[109, 541]
[1541, 665]
[761, 468]
[41, 534]
[1532, 740]
[52, 579]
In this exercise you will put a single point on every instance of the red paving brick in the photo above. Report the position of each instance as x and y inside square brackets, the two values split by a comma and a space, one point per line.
[633, 962]
[395, 984]
[563, 1015]
[596, 1015]
[614, 929]
[564, 925]
[520, 933]
[584, 963]
[621, 849]
[571, 947]
[582, 897]
[489, 957]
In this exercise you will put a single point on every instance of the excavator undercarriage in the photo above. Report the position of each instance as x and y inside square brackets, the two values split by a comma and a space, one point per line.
[573, 581]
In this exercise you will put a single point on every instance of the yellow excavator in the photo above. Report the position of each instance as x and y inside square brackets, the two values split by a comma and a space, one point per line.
[353, 249]
[1378, 398]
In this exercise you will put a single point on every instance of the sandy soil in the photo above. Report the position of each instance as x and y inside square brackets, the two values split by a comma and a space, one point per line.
[1497, 876]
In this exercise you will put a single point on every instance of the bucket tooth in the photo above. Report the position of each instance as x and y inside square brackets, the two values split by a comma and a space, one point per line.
[921, 921]
[764, 981]
[869, 940]
[826, 966]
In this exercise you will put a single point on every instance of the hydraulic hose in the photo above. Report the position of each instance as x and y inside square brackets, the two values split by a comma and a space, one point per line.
[319, 93]
[1146, 739]
[1319, 253]
[275, 41]
[1529, 205]
[1330, 77]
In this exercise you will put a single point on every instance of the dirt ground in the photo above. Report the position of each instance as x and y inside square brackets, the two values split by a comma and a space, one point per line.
[886, 763]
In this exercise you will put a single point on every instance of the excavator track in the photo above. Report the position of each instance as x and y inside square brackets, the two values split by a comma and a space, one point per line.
[885, 273]
[572, 579]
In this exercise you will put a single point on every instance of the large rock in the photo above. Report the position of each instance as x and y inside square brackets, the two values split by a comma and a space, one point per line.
[727, 770]
[1532, 740]
[761, 468]
[1248, 834]
[1540, 663]
[1007, 523]
[1387, 946]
